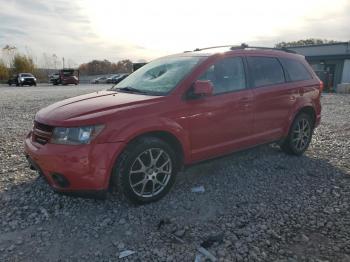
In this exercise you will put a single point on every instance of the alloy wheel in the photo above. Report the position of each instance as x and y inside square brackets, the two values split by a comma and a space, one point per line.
[301, 134]
[150, 172]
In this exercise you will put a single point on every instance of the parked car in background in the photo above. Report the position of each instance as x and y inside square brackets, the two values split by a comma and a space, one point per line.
[111, 77]
[116, 80]
[53, 77]
[13, 80]
[100, 80]
[175, 111]
[66, 77]
[22, 79]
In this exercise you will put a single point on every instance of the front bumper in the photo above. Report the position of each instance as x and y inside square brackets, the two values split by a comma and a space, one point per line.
[74, 167]
[28, 81]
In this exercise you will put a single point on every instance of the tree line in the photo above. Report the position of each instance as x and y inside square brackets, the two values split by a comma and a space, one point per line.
[13, 62]
[304, 42]
[100, 67]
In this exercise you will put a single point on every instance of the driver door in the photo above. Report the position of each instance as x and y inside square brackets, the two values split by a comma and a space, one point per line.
[223, 122]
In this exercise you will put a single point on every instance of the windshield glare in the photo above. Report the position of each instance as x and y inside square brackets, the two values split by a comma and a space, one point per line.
[160, 76]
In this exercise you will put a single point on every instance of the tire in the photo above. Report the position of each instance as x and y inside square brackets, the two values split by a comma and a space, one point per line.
[150, 184]
[296, 144]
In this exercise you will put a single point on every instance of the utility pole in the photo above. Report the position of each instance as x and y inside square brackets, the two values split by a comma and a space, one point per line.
[63, 62]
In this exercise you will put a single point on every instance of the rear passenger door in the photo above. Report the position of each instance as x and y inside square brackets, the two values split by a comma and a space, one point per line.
[273, 98]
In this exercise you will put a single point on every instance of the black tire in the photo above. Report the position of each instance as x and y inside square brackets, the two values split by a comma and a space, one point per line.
[296, 144]
[122, 178]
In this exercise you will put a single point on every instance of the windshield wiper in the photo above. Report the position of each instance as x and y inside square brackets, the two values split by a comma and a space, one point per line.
[129, 89]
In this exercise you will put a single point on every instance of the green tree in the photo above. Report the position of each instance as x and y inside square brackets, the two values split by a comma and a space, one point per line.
[23, 63]
[309, 41]
[4, 71]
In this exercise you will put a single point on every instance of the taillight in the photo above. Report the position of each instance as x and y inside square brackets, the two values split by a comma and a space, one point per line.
[321, 86]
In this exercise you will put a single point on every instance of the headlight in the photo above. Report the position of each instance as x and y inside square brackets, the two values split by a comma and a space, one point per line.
[34, 79]
[22, 79]
[75, 135]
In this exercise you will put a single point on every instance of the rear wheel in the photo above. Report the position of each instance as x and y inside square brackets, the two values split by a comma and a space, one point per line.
[299, 136]
[146, 170]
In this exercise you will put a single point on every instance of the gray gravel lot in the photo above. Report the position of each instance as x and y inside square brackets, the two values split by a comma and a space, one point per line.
[258, 205]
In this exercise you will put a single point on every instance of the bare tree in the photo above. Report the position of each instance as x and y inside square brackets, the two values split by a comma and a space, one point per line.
[9, 53]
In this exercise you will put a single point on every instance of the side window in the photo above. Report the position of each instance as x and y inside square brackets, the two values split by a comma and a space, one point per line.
[265, 71]
[226, 75]
[296, 71]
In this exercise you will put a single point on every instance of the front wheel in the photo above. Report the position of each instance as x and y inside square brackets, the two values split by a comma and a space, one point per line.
[146, 170]
[299, 136]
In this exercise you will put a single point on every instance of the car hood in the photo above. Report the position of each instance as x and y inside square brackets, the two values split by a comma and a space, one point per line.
[86, 108]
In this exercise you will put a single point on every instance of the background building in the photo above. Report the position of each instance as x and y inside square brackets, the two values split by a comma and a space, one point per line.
[331, 62]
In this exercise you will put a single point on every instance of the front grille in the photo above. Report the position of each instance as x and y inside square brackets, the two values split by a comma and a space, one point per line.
[43, 127]
[42, 133]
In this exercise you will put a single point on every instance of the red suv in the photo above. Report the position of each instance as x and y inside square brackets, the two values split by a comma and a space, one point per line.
[175, 111]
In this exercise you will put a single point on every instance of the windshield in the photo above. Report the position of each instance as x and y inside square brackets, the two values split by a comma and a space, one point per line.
[159, 76]
[26, 75]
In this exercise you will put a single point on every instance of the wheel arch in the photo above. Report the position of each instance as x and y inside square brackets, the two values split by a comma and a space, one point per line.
[308, 109]
[167, 137]
[163, 135]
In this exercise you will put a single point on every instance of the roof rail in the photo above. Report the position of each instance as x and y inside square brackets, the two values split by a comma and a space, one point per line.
[273, 48]
[244, 46]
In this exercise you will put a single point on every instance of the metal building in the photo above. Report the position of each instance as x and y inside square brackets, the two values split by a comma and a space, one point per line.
[331, 62]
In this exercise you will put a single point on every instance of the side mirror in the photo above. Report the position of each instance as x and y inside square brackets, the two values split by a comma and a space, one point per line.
[202, 88]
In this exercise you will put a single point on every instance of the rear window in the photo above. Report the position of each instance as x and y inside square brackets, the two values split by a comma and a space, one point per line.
[265, 71]
[295, 70]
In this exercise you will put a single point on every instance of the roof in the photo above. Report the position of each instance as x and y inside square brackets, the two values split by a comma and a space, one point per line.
[206, 52]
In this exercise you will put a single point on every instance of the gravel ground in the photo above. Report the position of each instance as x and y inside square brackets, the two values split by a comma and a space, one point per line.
[258, 205]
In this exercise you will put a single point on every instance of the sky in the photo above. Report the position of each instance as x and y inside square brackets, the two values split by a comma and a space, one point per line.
[82, 30]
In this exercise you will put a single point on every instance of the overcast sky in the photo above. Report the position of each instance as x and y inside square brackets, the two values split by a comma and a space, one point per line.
[82, 30]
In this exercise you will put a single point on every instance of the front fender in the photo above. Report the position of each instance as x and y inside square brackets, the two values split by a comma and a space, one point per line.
[129, 131]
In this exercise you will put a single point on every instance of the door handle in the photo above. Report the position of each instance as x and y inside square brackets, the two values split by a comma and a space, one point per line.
[244, 102]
